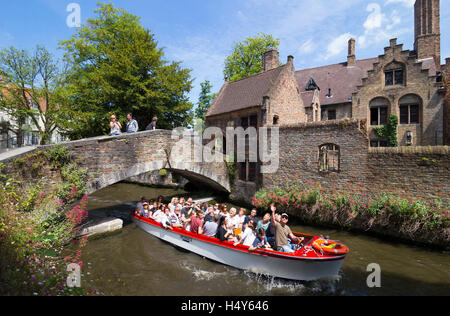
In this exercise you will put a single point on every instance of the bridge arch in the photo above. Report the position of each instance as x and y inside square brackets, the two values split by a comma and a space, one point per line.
[110, 160]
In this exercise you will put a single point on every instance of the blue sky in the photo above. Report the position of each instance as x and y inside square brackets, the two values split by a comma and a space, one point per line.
[201, 33]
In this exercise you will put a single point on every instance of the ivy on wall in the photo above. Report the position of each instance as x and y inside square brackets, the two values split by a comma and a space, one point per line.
[389, 132]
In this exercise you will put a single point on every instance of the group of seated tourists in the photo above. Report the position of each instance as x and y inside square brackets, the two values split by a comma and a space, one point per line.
[216, 221]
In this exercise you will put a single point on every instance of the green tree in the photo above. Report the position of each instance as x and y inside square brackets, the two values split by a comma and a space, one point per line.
[31, 92]
[205, 100]
[246, 59]
[117, 67]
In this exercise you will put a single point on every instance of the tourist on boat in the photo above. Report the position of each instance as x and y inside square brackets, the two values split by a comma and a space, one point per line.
[157, 214]
[247, 238]
[197, 222]
[250, 217]
[223, 210]
[115, 125]
[140, 206]
[241, 218]
[223, 232]
[210, 215]
[210, 227]
[270, 231]
[260, 241]
[173, 204]
[132, 124]
[153, 206]
[216, 209]
[264, 223]
[205, 208]
[163, 218]
[175, 218]
[233, 219]
[283, 232]
[146, 210]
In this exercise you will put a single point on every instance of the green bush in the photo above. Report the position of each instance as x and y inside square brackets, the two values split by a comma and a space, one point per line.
[74, 179]
[163, 173]
[399, 210]
[59, 156]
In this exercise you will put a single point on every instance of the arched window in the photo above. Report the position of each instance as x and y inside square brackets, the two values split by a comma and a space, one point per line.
[395, 74]
[410, 109]
[329, 158]
[379, 109]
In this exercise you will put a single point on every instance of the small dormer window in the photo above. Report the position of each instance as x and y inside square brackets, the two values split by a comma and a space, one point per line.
[311, 85]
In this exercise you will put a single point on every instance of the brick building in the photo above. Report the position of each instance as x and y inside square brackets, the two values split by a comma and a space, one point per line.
[407, 83]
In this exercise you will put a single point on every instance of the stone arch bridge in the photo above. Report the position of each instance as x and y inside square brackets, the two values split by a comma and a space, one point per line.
[110, 160]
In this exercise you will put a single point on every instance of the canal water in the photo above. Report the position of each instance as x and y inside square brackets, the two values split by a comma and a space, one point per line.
[135, 263]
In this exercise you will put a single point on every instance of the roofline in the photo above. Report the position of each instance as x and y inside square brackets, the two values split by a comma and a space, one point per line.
[258, 74]
[365, 59]
[229, 112]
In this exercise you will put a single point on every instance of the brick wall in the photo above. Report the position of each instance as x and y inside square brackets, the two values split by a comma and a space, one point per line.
[423, 171]
[299, 155]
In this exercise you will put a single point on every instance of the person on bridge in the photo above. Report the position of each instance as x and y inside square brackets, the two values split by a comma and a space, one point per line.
[152, 126]
[116, 127]
[132, 124]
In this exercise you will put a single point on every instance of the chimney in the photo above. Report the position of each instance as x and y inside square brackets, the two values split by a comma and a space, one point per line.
[427, 37]
[351, 58]
[271, 60]
[290, 59]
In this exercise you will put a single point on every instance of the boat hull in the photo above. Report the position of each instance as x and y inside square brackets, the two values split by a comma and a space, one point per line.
[270, 264]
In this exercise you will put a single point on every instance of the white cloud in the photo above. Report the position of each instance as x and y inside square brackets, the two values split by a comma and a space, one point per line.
[378, 27]
[408, 3]
[308, 47]
[375, 19]
[338, 45]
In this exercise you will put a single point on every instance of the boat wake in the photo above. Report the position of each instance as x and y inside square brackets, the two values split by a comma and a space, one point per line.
[263, 284]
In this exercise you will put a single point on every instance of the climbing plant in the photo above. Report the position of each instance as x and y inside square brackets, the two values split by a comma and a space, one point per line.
[389, 131]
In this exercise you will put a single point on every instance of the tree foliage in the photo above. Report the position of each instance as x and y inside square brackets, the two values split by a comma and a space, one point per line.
[117, 67]
[205, 100]
[246, 59]
[32, 92]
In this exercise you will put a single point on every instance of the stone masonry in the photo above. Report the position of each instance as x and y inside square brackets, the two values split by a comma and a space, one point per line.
[113, 159]
[423, 171]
